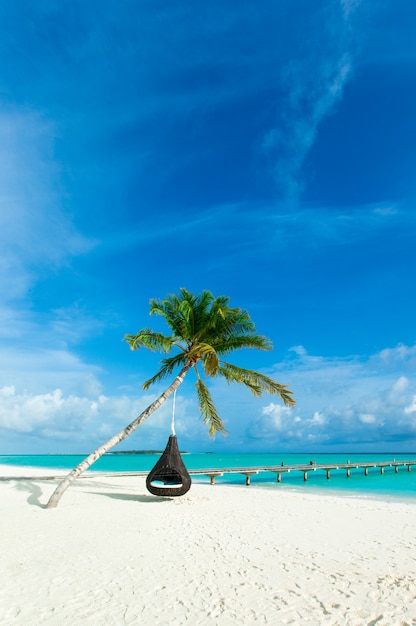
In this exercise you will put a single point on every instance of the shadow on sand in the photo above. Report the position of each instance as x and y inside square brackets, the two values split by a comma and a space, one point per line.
[35, 492]
[132, 497]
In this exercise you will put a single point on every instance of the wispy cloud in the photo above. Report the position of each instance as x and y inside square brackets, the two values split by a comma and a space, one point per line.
[35, 233]
[349, 6]
[312, 83]
[31, 367]
[310, 227]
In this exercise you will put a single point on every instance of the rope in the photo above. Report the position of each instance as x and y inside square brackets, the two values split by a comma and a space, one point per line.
[172, 426]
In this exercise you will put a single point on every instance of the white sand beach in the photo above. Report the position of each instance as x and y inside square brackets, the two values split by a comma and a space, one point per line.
[113, 554]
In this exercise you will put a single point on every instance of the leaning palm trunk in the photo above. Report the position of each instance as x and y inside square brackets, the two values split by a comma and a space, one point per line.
[94, 456]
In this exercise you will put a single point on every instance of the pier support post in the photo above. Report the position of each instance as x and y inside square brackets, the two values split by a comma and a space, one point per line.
[248, 476]
[213, 476]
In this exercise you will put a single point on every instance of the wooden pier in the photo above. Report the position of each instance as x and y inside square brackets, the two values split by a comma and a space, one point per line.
[279, 470]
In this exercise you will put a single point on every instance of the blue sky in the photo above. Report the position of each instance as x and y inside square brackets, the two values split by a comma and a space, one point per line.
[261, 151]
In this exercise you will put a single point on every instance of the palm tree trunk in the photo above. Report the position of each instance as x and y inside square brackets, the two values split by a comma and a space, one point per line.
[94, 456]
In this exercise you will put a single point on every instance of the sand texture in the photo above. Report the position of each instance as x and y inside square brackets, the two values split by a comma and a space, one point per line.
[113, 554]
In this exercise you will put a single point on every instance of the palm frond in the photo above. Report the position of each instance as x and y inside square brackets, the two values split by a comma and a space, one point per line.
[169, 309]
[211, 363]
[224, 321]
[183, 312]
[147, 338]
[207, 354]
[256, 382]
[208, 411]
[195, 311]
[168, 367]
[240, 322]
[230, 344]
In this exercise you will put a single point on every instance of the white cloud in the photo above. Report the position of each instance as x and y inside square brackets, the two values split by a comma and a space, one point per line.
[299, 350]
[367, 418]
[344, 401]
[84, 422]
[411, 408]
[394, 357]
[276, 420]
[275, 416]
[26, 412]
[318, 419]
[401, 384]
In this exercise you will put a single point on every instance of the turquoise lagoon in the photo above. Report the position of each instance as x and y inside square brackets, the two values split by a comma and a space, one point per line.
[391, 485]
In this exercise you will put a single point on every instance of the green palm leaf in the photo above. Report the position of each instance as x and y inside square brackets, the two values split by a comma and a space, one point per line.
[168, 367]
[207, 408]
[230, 344]
[147, 338]
[256, 381]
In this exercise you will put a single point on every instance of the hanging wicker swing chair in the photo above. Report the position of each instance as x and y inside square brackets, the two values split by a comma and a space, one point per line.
[169, 477]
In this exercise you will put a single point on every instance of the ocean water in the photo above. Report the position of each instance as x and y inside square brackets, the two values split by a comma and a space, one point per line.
[390, 485]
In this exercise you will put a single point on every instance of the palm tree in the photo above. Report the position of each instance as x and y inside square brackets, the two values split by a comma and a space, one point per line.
[203, 329]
